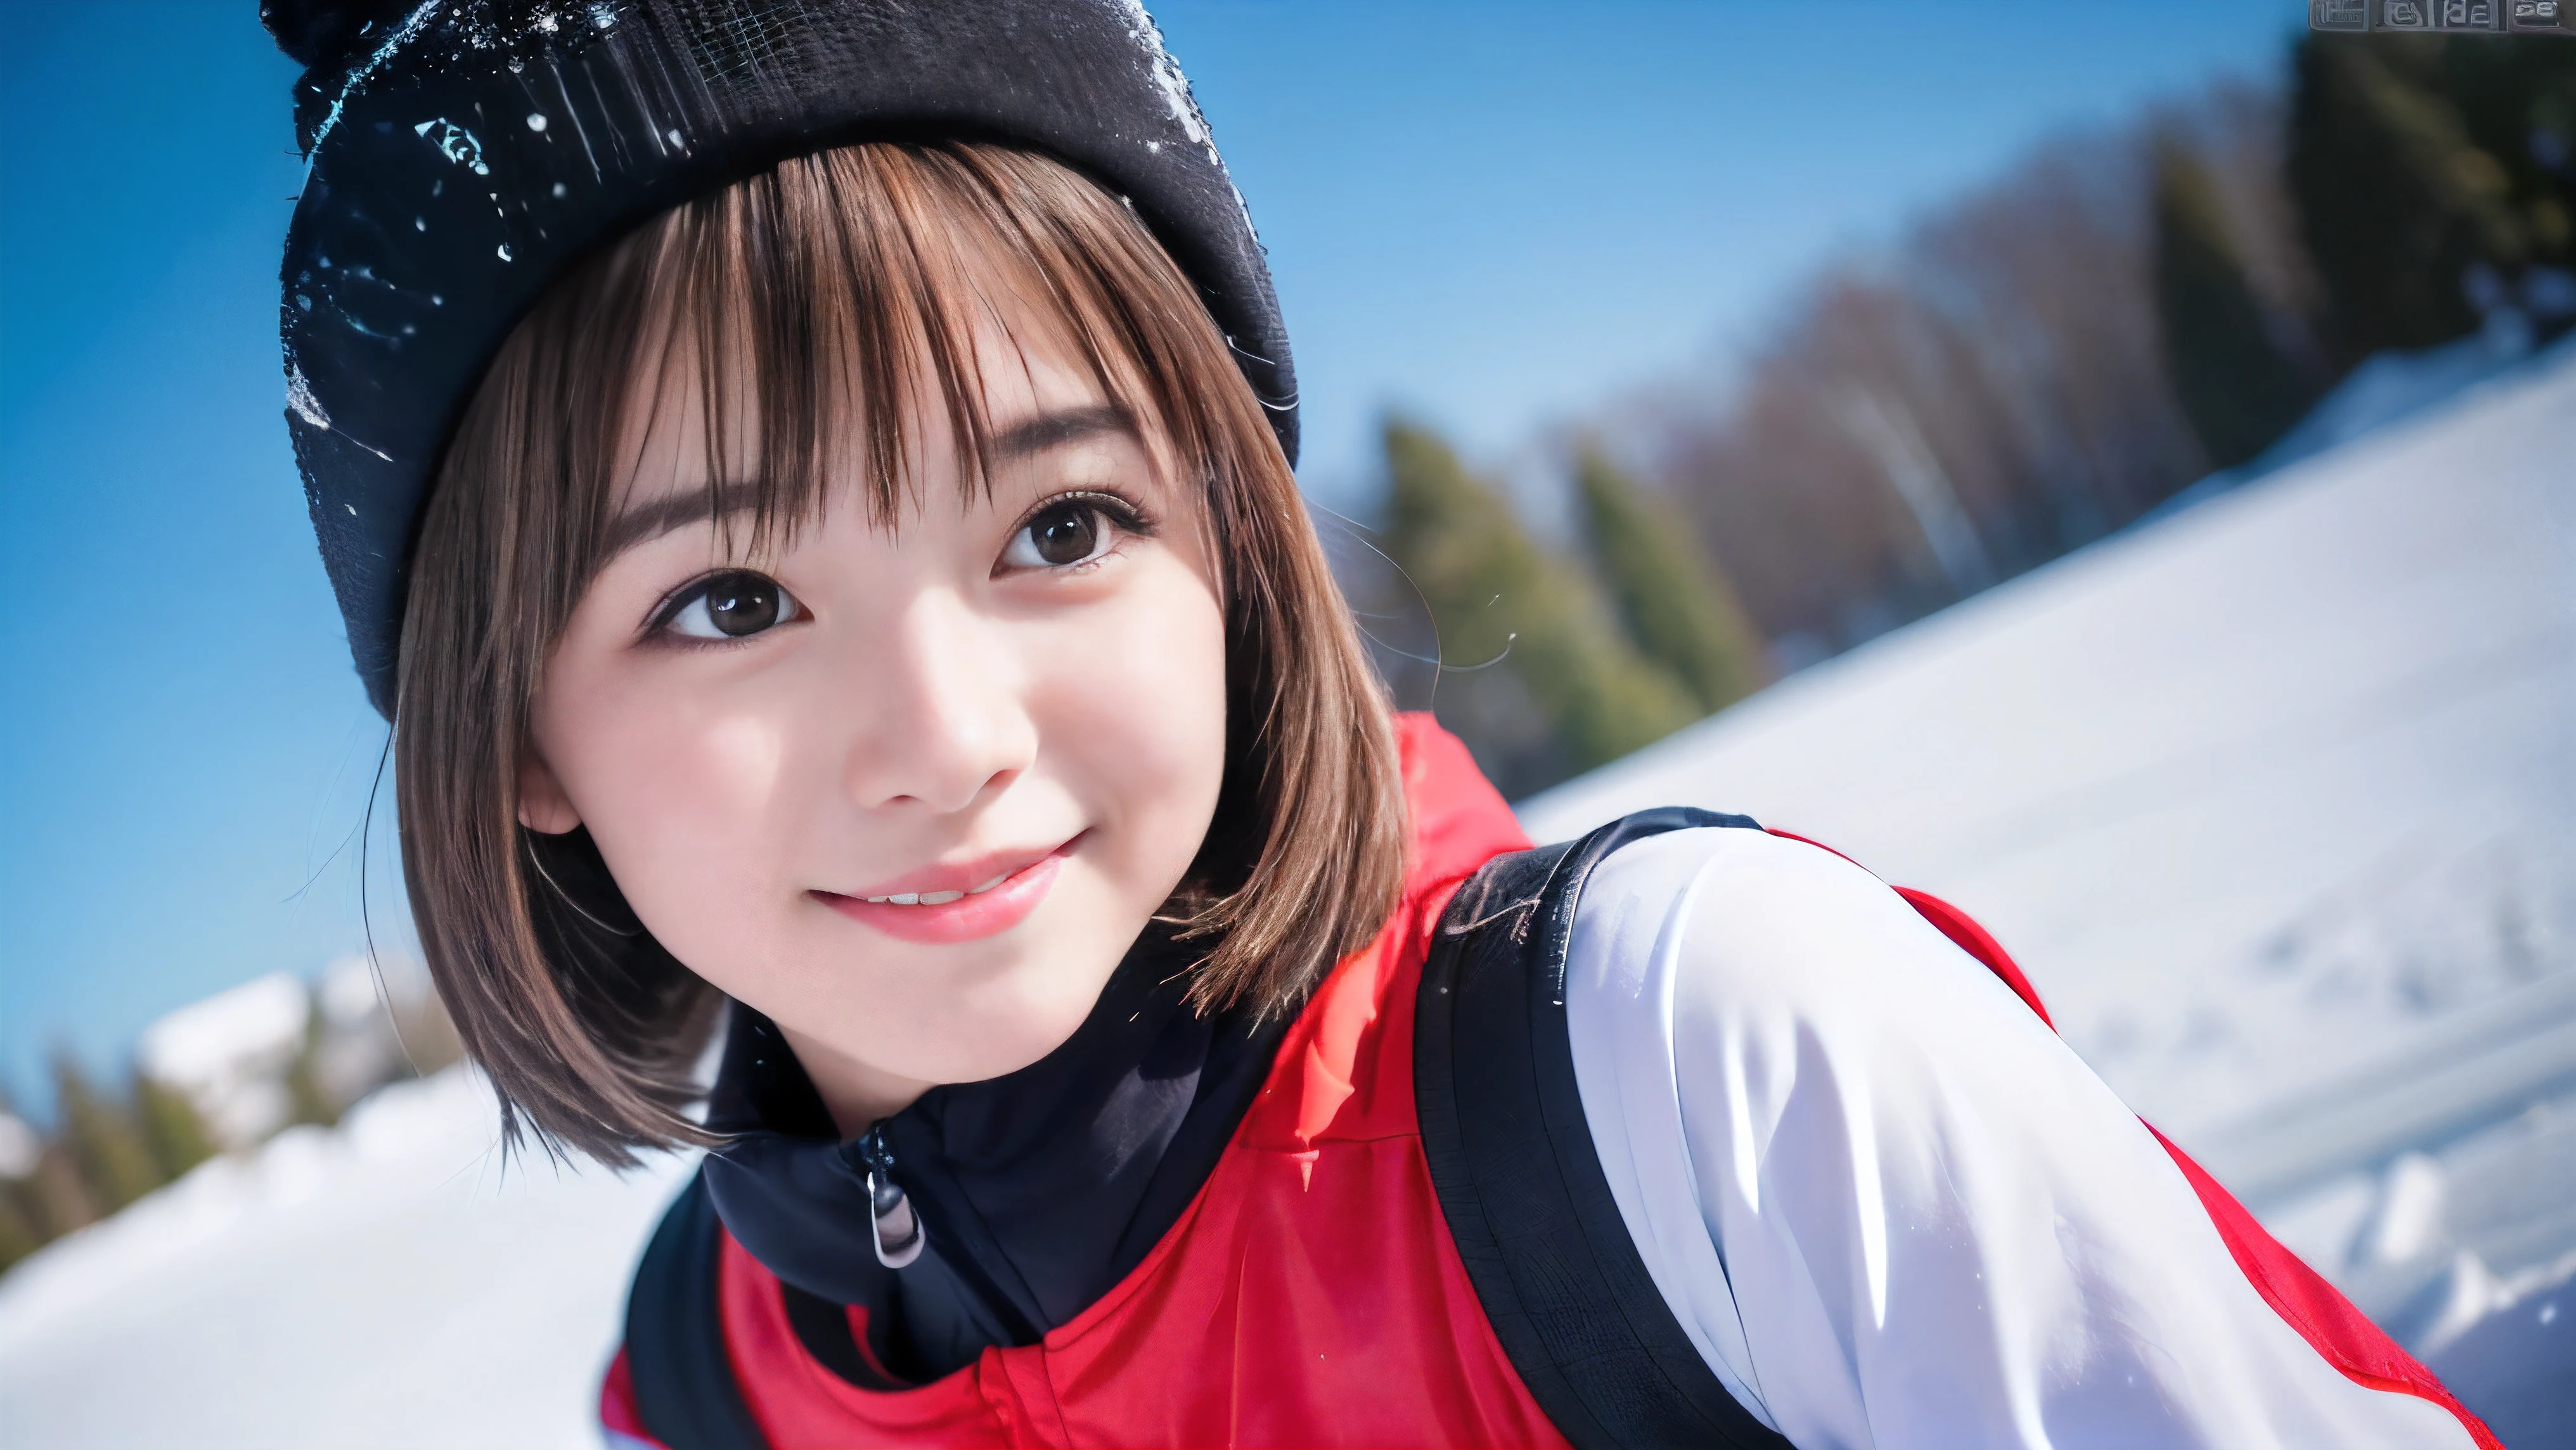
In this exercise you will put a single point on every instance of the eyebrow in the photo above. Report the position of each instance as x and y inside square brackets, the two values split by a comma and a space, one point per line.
[1032, 436]
[1024, 439]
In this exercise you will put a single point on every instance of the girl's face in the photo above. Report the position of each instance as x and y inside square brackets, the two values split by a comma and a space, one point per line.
[910, 794]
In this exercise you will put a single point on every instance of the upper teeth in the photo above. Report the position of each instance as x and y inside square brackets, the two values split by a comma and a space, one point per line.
[936, 898]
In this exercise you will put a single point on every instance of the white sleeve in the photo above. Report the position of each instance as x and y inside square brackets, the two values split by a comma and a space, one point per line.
[1889, 1206]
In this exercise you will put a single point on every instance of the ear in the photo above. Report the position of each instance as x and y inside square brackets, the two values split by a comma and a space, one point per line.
[543, 806]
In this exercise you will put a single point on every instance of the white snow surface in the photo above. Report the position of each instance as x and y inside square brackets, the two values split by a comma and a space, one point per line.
[2392, 385]
[2273, 799]
[388, 1283]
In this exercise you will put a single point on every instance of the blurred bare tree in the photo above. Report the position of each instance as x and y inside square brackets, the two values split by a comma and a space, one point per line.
[2054, 356]
[1987, 396]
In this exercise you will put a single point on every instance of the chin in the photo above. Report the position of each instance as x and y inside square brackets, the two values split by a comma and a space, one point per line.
[993, 1028]
[1021, 1026]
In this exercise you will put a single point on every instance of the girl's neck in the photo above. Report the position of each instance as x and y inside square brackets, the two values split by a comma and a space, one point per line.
[856, 1094]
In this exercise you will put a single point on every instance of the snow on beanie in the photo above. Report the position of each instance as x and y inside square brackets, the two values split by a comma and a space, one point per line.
[461, 153]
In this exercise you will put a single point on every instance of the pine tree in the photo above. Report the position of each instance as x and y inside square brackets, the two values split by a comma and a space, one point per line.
[2517, 102]
[1536, 676]
[104, 1142]
[1678, 608]
[308, 1099]
[172, 1127]
[2395, 199]
[19, 1234]
[2236, 383]
[22, 1217]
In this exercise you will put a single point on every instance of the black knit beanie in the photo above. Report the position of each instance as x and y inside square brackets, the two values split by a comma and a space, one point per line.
[462, 153]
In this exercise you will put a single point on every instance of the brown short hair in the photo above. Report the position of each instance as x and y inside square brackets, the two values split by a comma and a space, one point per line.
[821, 281]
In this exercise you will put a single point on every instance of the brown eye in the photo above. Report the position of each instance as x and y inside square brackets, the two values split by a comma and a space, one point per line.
[733, 605]
[1059, 534]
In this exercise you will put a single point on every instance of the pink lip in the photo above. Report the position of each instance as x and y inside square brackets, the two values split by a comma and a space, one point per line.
[969, 918]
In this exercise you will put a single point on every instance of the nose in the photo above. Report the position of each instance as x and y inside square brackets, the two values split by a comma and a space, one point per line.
[942, 721]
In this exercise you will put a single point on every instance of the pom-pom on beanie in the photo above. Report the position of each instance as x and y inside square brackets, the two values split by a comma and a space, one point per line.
[461, 153]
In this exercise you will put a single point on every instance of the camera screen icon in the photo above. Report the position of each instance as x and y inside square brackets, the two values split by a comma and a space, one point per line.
[2548, 17]
[2469, 17]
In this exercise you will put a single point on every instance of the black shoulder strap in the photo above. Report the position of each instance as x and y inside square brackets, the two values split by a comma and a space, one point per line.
[675, 1350]
[1519, 1179]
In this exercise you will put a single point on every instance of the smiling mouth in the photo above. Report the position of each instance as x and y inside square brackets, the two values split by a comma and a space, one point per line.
[938, 898]
[958, 913]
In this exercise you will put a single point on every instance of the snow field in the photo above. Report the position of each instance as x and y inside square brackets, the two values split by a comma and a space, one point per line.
[390, 1283]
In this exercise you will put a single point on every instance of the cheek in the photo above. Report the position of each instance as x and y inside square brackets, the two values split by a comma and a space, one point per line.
[684, 807]
[1139, 708]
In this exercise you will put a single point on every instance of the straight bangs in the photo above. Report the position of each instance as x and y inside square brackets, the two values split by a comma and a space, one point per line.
[813, 308]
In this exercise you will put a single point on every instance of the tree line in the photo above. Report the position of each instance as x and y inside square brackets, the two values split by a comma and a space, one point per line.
[2026, 370]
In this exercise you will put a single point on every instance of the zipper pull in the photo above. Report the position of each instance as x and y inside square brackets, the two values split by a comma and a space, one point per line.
[895, 1229]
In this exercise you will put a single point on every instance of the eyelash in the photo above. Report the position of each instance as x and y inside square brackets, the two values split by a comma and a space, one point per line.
[657, 627]
[1123, 513]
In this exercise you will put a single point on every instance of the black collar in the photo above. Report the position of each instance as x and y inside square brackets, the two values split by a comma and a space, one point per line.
[1038, 1190]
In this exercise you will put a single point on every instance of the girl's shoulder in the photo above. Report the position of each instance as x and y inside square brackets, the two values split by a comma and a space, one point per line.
[1875, 1189]
[1753, 922]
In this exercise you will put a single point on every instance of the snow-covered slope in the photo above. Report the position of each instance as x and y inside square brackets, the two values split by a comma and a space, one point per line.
[390, 1283]
[2276, 802]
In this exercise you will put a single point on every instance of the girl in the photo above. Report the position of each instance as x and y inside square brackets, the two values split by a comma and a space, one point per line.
[809, 482]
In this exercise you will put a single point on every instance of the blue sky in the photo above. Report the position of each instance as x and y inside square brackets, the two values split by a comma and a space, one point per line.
[1491, 214]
